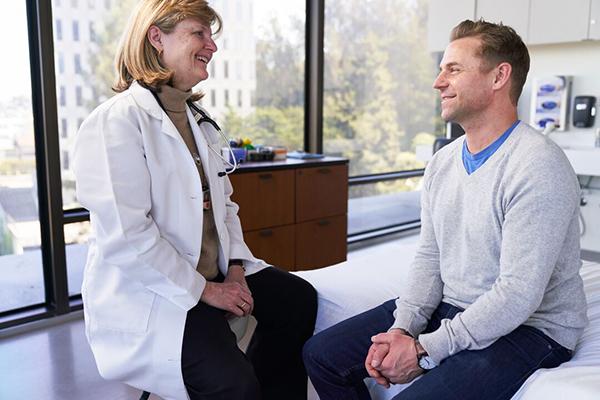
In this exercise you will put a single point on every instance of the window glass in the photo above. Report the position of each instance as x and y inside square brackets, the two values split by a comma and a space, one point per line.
[383, 204]
[378, 101]
[75, 31]
[272, 54]
[268, 36]
[76, 241]
[87, 81]
[20, 256]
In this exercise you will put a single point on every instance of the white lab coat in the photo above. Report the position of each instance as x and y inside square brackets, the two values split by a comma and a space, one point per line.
[137, 178]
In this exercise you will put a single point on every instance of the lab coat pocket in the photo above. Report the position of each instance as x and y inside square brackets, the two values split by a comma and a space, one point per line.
[119, 304]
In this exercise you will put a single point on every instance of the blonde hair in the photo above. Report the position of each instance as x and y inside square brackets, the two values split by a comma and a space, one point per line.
[136, 59]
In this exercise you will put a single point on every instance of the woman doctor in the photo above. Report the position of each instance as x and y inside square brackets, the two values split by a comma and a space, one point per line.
[167, 263]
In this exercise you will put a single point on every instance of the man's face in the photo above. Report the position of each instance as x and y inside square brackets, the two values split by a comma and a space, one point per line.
[464, 82]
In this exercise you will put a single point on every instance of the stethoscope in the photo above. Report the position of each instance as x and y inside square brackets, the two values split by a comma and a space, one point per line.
[200, 116]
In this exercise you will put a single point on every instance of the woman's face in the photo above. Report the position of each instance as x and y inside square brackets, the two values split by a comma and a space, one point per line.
[186, 51]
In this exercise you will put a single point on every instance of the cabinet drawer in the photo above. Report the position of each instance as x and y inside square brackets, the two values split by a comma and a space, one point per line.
[321, 192]
[274, 245]
[266, 199]
[321, 243]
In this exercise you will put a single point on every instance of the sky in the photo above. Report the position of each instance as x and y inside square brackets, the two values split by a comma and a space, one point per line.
[15, 68]
[14, 29]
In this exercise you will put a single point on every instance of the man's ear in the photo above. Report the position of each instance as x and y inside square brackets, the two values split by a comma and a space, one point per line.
[155, 38]
[503, 71]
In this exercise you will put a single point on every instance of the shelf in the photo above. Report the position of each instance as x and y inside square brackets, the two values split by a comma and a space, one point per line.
[585, 160]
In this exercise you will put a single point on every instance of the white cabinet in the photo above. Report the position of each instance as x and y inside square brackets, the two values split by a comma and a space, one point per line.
[514, 13]
[595, 20]
[443, 16]
[536, 21]
[558, 21]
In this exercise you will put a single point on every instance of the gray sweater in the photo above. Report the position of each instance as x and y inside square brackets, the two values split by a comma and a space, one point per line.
[501, 243]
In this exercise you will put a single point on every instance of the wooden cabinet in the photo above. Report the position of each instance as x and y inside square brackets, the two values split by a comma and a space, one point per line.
[294, 213]
[514, 13]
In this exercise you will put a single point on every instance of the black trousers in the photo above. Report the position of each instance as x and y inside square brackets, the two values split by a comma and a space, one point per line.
[285, 307]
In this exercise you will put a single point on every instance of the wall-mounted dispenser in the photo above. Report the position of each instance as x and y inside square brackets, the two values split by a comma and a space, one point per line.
[584, 111]
[549, 102]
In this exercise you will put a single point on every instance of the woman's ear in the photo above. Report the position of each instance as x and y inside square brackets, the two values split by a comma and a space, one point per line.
[155, 38]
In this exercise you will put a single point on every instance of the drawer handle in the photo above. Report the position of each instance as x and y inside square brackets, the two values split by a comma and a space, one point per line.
[266, 233]
[324, 170]
[265, 176]
[323, 222]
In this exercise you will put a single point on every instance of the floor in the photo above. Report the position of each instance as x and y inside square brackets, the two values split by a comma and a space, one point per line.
[55, 362]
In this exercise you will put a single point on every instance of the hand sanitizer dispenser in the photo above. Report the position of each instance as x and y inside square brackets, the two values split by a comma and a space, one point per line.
[584, 111]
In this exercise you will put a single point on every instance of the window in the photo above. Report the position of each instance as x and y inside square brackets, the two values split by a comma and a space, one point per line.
[74, 3]
[62, 99]
[213, 98]
[76, 246]
[61, 63]
[272, 66]
[212, 69]
[238, 70]
[378, 105]
[239, 96]
[22, 281]
[92, 32]
[77, 63]
[90, 57]
[78, 96]
[63, 128]
[76, 31]
[58, 29]
[79, 122]
[65, 160]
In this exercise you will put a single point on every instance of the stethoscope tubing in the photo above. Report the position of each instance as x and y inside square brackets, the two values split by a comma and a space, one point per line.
[201, 117]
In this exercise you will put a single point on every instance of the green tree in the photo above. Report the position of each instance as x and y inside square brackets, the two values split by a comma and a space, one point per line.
[102, 54]
[378, 77]
[378, 100]
[6, 237]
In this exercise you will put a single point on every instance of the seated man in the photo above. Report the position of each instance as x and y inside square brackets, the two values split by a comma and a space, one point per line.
[494, 291]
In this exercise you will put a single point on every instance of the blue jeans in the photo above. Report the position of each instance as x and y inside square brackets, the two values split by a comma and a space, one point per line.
[335, 358]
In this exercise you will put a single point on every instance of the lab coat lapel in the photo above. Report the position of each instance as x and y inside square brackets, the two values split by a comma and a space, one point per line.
[145, 99]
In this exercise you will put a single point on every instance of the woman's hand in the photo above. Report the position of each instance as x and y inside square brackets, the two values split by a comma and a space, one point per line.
[237, 274]
[232, 295]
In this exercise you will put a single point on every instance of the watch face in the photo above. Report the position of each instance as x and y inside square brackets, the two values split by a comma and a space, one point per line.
[426, 363]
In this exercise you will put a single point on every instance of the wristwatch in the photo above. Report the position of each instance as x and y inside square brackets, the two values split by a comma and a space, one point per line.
[238, 262]
[423, 359]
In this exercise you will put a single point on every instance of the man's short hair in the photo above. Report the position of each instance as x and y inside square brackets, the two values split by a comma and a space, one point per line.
[499, 43]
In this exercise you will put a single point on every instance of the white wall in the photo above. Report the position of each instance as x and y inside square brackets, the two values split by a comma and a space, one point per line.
[580, 60]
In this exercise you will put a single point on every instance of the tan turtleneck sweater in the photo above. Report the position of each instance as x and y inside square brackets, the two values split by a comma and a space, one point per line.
[174, 102]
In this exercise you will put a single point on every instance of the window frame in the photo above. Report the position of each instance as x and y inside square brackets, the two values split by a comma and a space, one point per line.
[53, 217]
